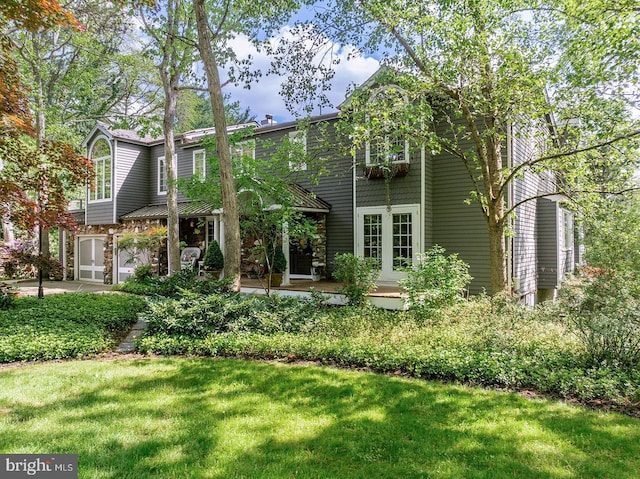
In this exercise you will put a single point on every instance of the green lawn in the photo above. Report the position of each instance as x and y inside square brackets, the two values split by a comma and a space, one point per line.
[208, 418]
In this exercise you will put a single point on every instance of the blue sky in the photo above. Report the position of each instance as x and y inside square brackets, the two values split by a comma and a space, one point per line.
[264, 98]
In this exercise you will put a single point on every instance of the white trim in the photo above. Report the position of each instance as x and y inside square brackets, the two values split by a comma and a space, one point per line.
[423, 193]
[204, 163]
[367, 155]
[94, 176]
[298, 136]
[388, 273]
[355, 204]
[92, 268]
[114, 187]
[64, 253]
[286, 250]
[159, 175]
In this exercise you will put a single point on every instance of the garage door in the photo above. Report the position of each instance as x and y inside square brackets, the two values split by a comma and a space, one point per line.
[91, 259]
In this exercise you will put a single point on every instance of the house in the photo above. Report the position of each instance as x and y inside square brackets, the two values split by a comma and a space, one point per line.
[359, 208]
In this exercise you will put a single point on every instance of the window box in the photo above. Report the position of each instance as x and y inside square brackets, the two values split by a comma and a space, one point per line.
[392, 170]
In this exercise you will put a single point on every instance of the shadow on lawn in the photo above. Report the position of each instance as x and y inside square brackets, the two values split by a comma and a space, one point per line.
[226, 418]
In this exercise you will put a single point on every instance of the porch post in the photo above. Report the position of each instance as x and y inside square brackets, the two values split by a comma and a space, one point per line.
[220, 232]
[216, 229]
[285, 250]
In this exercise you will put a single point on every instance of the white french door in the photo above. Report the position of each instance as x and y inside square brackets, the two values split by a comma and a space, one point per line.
[390, 235]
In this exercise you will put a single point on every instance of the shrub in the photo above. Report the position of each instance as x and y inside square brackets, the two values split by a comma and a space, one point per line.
[603, 307]
[173, 286]
[7, 299]
[435, 280]
[213, 259]
[279, 262]
[357, 275]
[141, 273]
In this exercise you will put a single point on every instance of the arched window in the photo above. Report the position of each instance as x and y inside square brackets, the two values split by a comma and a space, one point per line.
[100, 155]
[387, 143]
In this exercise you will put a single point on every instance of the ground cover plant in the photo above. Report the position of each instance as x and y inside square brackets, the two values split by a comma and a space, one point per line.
[486, 341]
[143, 282]
[65, 325]
[196, 418]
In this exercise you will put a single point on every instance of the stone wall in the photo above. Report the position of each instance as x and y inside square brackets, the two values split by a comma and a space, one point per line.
[110, 231]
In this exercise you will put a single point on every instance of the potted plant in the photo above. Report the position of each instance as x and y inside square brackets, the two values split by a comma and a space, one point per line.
[213, 262]
[278, 265]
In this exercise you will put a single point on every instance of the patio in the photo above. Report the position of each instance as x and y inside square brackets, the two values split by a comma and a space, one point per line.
[387, 297]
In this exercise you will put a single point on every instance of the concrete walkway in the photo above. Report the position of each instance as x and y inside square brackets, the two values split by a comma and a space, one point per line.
[30, 287]
[129, 343]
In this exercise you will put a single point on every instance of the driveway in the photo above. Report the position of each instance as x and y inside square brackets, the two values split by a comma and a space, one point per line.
[30, 287]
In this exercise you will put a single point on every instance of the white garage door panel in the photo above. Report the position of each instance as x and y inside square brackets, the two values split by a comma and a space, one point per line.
[91, 259]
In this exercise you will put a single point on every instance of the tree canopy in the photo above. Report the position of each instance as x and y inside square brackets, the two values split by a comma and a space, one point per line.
[473, 71]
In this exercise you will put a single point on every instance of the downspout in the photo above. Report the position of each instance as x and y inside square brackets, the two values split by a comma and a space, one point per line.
[510, 201]
[114, 187]
[354, 208]
[423, 198]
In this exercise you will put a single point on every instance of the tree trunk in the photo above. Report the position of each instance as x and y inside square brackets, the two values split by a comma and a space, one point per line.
[173, 232]
[170, 75]
[497, 253]
[227, 184]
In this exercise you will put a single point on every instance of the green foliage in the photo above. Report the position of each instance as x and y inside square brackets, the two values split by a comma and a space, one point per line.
[603, 307]
[185, 280]
[65, 326]
[487, 341]
[611, 232]
[7, 299]
[141, 273]
[197, 316]
[435, 280]
[213, 259]
[357, 275]
[279, 262]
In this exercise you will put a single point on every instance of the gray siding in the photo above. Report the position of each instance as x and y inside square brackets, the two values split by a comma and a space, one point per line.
[403, 190]
[184, 158]
[525, 224]
[132, 177]
[100, 213]
[548, 258]
[335, 187]
[458, 227]
[428, 206]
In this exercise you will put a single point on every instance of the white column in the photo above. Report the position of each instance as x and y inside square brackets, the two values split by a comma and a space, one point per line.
[285, 250]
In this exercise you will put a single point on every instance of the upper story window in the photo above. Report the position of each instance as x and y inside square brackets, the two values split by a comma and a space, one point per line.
[298, 142]
[163, 175]
[100, 155]
[387, 143]
[241, 152]
[244, 149]
[200, 164]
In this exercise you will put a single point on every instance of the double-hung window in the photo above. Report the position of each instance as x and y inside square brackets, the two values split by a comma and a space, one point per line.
[298, 151]
[200, 164]
[163, 175]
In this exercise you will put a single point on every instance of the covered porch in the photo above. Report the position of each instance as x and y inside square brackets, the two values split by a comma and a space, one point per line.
[387, 297]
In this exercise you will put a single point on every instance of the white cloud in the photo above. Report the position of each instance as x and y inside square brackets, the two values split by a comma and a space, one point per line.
[264, 95]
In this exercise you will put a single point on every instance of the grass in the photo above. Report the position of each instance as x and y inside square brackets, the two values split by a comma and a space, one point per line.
[212, 418]
[65, 325]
